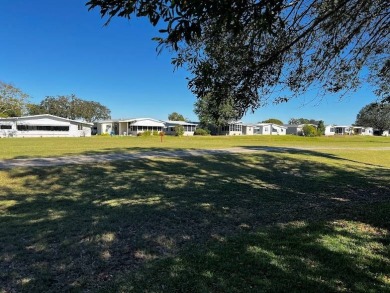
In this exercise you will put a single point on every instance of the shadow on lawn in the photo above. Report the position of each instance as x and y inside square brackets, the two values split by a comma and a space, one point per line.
[228, 222]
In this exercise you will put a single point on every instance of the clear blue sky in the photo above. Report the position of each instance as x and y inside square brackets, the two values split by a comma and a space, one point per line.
[51, 48]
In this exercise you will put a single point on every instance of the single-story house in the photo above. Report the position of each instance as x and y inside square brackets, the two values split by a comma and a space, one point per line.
[107, 126]
[248, 129]
[44, 125]
[329, 130]
[348, 130]
[189, 128]
[129, 126]
[232, 128]
[359, 130]
[269, 129]
[296, 129]
[343, 130]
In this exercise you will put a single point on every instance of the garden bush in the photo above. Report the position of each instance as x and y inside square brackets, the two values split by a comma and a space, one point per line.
[179, 130]
[147, 133]
[309, 130]
[201, 131]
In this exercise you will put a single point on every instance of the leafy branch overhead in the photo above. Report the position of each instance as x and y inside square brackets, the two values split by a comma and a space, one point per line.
[250, 52]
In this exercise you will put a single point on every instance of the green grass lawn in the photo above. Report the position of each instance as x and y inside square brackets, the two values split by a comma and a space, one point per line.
[45, 147]
[272, 221]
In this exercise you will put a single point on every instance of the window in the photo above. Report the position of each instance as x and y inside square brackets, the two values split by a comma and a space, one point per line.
[5, 126]
[42, 128]
[80, 127]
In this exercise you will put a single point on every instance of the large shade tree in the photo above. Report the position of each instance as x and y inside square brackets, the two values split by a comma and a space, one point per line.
[249, 52]
[214, 113]
[374, 115]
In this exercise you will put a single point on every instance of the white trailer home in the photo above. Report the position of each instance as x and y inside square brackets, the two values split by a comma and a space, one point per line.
[359, 130]
[44, 125]
[270, 129]
[248, 129]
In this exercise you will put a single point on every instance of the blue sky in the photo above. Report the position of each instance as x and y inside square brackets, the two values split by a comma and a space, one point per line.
[51, 48]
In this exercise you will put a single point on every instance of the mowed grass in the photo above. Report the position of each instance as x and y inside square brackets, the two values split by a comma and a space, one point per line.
[51, 147]
[272, 221]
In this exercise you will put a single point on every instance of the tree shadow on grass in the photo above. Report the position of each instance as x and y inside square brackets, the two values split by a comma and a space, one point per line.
[297, 257]
[87, 227]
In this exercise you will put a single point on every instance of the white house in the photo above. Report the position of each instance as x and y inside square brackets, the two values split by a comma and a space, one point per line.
[44, 125]
[248, 129]
[329, 130]
[343, 130]
[129, 126]
[270, 129]
[189, 128]
[233, 128]
[359, 130]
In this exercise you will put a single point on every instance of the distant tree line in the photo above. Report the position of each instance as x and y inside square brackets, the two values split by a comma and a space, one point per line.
[14, 102]
[298, 121]
[70, 107]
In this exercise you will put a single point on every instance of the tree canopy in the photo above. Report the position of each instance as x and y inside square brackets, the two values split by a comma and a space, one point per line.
[246, 53]
[298, 121]
[321, 127]
[12, 100]
[174, 116]
[70, 107]
[374, 115]
[273, 120]
[212, 112]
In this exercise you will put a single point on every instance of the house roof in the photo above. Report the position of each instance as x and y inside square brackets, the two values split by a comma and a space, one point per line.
[298, 125]
[137, 121]
[180, 122]
[44, 116]
[145, 122]
[271, 124]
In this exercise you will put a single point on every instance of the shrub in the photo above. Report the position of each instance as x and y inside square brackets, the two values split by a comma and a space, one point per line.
[179, 130]
[147, 133]
[309, 130]
[155, 132]
[201, 131]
